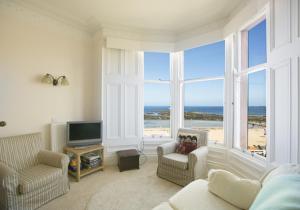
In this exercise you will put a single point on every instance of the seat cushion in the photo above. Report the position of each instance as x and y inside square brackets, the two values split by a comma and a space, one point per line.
[163, 206]
[176, 160]
[37, 177]
[196, 196]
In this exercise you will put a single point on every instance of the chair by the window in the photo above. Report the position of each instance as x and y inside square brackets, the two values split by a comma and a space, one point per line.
[179, 168]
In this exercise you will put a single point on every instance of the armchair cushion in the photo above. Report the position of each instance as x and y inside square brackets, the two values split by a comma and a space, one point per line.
[167, 148]
[37, 177]
[54, 159]
[9, 178]
[176, 160]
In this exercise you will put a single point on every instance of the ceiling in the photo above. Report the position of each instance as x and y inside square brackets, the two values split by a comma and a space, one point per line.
[175, 16]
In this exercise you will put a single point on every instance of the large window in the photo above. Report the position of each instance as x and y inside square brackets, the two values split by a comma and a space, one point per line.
[251, 89]
[204, 89]
[157, 97]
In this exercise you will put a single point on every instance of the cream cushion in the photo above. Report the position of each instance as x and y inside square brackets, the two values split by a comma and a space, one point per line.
[163, 206]
[176, 160]
[36, 177]
[196, 196]
[233, 189]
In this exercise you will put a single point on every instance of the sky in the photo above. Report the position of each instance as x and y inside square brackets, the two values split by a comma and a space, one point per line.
[202, 62]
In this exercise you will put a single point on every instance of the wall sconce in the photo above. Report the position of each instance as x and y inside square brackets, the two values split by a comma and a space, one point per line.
[49, 79]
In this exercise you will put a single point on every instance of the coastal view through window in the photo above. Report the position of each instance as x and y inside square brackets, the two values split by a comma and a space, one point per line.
[205, 111]
[257, 112]
[157, 95]
[204, 89]
[257, 54]
[157, 110]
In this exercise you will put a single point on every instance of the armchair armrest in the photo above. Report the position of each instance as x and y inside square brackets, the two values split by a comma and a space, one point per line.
[54, 159]
[198, 162]
[166, 148]
[9, 178]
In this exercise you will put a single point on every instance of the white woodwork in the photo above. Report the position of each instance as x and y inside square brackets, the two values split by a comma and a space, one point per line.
[122, 97]
[298, 18]
[131, 113]
[113, 111]
[281, 22]
[113, 62]
[281, 96]
[131, 64]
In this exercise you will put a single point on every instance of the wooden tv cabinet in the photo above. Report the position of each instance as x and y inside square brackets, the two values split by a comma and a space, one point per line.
[77, 153]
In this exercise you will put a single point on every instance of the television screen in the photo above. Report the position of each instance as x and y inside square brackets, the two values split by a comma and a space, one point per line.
[83, 133]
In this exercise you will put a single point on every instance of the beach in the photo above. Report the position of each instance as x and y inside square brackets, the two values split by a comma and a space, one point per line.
[157, 124]
[255, 135]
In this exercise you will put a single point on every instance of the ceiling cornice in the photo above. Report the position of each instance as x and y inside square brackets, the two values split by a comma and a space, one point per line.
[58, 16]
[92, 25]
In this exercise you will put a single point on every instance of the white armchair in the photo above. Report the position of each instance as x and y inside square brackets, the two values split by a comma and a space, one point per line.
[183, 169]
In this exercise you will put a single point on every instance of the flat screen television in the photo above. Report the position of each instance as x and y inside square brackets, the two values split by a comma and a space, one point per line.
[84, 133]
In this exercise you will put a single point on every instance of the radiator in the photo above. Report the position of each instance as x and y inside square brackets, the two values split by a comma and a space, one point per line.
[58, 136]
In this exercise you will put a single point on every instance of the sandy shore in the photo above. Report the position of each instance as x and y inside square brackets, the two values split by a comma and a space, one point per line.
[255, 135]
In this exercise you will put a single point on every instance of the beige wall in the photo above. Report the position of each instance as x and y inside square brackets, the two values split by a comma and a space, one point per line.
[30, 46]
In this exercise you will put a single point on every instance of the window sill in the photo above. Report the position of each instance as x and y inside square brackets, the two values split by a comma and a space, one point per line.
[215, 143]
[247, 155]
[157, 140]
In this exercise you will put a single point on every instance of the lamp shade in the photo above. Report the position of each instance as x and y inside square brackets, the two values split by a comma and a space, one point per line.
[47, 79]
[64, 81]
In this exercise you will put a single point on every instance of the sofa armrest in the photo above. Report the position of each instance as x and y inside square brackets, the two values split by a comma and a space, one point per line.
[9, 178]
[166, 148]
[54, 159]
[198, 162]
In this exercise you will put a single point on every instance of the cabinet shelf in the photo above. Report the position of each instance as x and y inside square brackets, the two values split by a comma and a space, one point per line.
[77, 153]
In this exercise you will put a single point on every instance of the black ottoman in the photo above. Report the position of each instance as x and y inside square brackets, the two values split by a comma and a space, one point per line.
[128, 159]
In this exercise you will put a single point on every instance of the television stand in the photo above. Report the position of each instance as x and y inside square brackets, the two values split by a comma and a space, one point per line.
[82, 147]
[77, 153]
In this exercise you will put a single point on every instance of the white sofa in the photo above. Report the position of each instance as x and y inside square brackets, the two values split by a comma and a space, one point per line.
[196, 195]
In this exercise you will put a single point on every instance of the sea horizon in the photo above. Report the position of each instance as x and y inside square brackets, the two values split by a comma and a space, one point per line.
[217, 110]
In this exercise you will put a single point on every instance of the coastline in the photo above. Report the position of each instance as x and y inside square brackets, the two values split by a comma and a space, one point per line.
[157, 124]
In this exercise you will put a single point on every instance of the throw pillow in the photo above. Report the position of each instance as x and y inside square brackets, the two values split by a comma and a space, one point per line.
[186, 144]
[233, 189]
[280, 193]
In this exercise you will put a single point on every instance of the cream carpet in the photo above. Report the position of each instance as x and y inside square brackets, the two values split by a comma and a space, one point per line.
[114, 190]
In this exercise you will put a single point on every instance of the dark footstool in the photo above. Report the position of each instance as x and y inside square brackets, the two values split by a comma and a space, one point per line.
[128, 159]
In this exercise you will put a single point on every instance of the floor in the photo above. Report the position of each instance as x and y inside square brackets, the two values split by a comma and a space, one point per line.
[90, 186]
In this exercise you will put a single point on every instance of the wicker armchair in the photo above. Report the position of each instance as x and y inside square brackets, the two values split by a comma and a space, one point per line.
[183, 169]
[29, 176]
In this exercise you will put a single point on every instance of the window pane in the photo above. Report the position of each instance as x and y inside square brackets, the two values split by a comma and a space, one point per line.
[156, 66]
[157, 110]
[203, 108]
[205, 61]
[257, 48]
[257, 112]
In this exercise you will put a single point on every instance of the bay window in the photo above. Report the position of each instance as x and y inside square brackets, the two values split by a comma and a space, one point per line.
[204, 89]
[157, 95]
[250, 94]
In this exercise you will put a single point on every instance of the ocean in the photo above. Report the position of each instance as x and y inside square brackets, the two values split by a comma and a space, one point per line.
[252, 110]
[218, 110]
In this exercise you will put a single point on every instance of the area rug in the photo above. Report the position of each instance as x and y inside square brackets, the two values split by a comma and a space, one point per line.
[137, 193]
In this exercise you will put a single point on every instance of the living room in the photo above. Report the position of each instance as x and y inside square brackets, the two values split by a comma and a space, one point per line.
[196, 97]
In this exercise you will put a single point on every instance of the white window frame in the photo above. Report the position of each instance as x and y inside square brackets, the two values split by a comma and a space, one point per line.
[205, 79]
[241, 86]
[160, 81]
